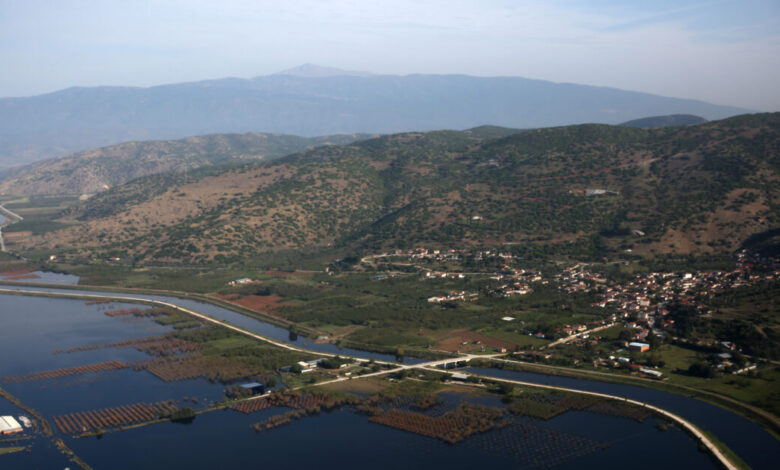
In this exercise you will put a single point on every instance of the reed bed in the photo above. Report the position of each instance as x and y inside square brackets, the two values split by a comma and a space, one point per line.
[620, 410]
[108, 418]
[452, 427]
[532, 445]
[67, 371]
[215, 369]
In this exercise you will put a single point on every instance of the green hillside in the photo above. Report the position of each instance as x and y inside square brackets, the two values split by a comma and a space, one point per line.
[588, 191]
[665, 121]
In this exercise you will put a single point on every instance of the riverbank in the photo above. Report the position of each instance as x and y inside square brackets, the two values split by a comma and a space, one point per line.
[717, 449]
[398, 367]
[768, 421]
[299, 329]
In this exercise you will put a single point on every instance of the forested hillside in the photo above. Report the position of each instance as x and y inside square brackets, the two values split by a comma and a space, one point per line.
[587, 191]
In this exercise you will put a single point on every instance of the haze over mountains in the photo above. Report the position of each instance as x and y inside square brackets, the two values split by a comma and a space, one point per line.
[312, 101]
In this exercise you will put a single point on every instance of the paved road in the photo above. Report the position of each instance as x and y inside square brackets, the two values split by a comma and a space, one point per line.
[575, 336]
[187, 311]
[12, 215]
[431, 365]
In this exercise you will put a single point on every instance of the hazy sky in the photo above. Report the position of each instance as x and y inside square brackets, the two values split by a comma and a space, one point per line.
[725, 52]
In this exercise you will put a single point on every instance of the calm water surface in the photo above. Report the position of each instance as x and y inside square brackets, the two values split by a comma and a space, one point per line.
[34, 327]
[749, 440]
[234, 318]
[45, 277]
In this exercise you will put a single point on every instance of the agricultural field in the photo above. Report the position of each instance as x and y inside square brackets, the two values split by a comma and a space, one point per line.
[41, 214]
[395, 311]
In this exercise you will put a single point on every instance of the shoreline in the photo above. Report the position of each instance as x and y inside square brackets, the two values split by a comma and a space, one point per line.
[710, 445]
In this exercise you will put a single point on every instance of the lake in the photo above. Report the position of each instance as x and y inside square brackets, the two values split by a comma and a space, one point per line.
[35, 327]
[42, 277]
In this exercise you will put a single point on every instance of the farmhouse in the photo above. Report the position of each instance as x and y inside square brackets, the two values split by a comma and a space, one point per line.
[641, 347]
[9, 425]
[240, 282]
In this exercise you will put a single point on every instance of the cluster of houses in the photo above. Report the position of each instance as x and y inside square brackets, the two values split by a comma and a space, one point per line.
[446, 255]
[454, 296]
[427, 254]
[241, 282]
[725, 361]
[647, 296]
[516, 281]
[303, 367]
[569, 330]
[443, 275]
[642, 303]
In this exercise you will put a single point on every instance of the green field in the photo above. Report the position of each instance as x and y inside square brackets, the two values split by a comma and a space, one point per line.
[40, 213]
[508, 334]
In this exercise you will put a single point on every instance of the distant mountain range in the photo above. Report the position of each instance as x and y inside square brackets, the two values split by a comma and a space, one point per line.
[586, 191]
[311, 101]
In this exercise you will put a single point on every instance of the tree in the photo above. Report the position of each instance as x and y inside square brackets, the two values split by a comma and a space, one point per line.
[506, 388]
[625, 334]
[702, 369]
[652, 340]
[183, 415]
[654, 360]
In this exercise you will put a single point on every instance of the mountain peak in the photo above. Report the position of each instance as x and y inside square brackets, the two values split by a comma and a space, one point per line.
[318, 71]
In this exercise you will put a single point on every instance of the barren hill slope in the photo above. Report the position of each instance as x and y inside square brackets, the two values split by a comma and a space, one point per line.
[99, 169]
[584, 191]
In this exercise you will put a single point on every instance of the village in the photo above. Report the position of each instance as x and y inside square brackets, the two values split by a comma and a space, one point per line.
[636, 308]
[640, 305]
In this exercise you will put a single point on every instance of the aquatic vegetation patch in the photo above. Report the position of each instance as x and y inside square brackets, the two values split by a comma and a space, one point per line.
[213, 368]
[452, 427]
[313, 402]
[621, 410]
[115, 417]
[530, 444]
[67, 371]
[166, 345]
[549, 405]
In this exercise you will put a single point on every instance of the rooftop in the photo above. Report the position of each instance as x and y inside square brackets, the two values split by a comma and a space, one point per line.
[9, 424]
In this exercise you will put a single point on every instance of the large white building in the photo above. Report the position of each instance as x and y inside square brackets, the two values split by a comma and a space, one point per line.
[9, 425]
